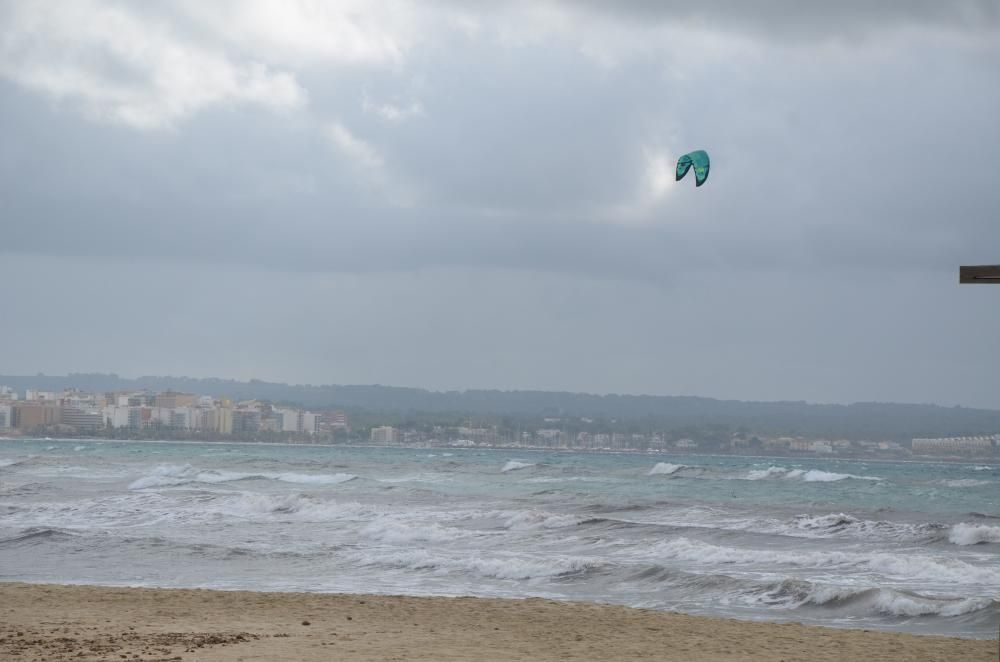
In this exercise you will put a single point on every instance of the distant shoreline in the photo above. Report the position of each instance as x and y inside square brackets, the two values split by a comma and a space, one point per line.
[655, 453]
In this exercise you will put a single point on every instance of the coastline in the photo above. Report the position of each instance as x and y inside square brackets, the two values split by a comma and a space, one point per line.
[922, 459]
[64, 622]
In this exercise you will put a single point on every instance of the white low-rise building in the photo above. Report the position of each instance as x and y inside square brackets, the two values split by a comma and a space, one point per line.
[956, 445]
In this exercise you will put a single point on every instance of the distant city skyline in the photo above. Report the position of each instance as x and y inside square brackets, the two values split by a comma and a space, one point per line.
[176, 415]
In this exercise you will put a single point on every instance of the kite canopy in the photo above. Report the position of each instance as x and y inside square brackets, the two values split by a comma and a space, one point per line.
[698, 159]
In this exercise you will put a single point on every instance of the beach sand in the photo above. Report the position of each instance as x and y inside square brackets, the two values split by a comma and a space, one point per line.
[50, 622]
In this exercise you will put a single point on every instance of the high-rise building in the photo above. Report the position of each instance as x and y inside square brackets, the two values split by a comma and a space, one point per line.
[224, 420]
[309, 423]
[246, 421]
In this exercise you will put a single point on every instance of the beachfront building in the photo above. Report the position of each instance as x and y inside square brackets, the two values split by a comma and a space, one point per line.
[957, 445]
[29, 415]
[115, 416]
[84, 420]
[385, 434]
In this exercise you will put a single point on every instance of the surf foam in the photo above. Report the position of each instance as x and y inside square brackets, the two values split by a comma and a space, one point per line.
[805, 475]
[666, 469]
[174, 475]
[973, 534]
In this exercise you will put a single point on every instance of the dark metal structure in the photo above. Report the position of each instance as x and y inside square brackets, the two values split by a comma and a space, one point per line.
[983, 273]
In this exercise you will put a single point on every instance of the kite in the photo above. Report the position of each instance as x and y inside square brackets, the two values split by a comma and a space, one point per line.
[698, 159]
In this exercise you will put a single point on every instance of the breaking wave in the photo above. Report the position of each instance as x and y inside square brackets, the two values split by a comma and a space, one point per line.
[890, 565]
[34, 535]
[514, 465]
[497, 567]
[525, 520]
[837, 524]
[295, 507]
[795, 594]
[395, 532]
[966, 482]
[805, 475]
[973, 534]
[172, 476]
[666, 469]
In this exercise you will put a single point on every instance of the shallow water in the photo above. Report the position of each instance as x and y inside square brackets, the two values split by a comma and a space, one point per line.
[848, 543]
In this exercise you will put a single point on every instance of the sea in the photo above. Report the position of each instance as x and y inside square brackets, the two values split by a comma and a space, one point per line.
[901, 546]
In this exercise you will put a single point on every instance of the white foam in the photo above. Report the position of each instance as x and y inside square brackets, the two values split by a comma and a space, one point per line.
[163, 476]
[312, 479]
[965, 482]
[514, 465]
[839, 524]
[174, 475]
[665, 469]
[393, 531]
[498, 567]
[894, 565]
[895, 603]
[526, 520]
[770, 472]
[808, 476]
[982, 467]
[817, 476]
[8, 463]
[973, 534]
[296, 507]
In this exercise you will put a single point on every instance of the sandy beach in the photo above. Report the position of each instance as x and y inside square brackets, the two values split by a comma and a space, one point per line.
[52, 622]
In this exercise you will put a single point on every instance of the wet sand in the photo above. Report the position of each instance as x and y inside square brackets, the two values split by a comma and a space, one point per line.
[51, 622]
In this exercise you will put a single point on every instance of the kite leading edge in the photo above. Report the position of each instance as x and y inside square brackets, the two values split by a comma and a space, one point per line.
[698, 159]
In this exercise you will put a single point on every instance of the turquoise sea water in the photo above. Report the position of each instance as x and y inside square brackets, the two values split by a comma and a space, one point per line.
[847, 543]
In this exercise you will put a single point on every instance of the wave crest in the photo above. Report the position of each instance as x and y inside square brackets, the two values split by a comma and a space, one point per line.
[174, 475]
[973, 534]
[805, 475]
[887, 564]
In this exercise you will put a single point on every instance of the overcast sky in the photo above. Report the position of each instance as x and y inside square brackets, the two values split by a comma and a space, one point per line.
[438, 195]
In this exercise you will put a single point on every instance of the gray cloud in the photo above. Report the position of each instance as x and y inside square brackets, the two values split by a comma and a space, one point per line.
[806, 19]
[531, 146]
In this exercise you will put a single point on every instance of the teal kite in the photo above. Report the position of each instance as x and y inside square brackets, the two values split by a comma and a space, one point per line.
[698, 159]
